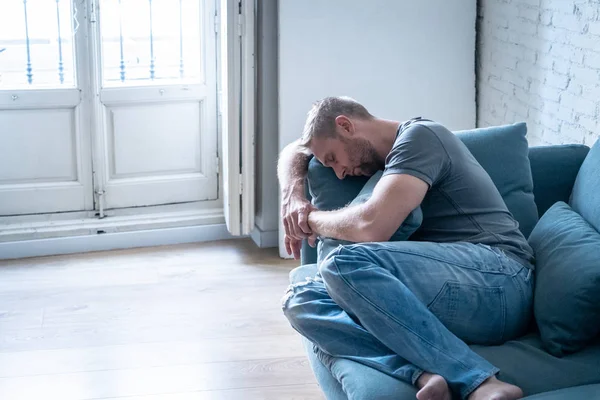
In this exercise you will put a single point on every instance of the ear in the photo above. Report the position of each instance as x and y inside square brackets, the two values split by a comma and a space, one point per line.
[347, 127]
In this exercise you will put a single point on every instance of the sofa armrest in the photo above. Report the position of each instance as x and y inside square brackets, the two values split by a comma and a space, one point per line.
[554, 169]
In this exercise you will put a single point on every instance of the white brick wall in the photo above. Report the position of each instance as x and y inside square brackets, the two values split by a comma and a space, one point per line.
[539, 62]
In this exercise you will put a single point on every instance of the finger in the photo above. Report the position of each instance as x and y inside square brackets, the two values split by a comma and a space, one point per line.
[296, 245]
[312, 241]
[286, 227]
[295, 229]
[288, 248]
[303, 222]
[290, 222]
[290, 228]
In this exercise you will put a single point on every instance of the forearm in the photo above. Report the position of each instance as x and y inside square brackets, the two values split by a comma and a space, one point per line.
[291, 170]
[393, 199]
[355, 224]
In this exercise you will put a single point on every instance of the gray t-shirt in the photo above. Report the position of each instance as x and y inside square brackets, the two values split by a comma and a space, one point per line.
[462, 204]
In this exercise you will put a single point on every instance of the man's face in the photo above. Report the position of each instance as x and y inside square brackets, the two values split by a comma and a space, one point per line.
[348, 156]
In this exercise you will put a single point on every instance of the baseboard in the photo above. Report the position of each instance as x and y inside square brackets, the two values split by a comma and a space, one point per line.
[264, 239]
[113, 241]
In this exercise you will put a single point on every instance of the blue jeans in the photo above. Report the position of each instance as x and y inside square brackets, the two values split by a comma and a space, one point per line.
[407, 307]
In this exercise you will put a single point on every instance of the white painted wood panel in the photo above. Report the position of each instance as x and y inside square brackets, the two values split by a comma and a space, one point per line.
[45, 161]
[38, 146]
[168, 134]
[159, 153]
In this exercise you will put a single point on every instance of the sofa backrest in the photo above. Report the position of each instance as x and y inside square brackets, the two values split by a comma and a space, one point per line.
[585, 198]
[554, 169]
[503, 152]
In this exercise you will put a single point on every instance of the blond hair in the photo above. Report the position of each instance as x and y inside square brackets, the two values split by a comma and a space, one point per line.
[320, 120]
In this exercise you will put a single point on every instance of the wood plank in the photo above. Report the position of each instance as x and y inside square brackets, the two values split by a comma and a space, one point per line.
[158, 354]
[198, 321]
[158, 380]
[287, 392]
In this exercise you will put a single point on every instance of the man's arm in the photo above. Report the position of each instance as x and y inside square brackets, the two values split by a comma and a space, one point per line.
[291, 171]
[393, 198]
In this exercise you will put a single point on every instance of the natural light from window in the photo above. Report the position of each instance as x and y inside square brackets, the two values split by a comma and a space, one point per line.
[143, 42]
[36, 44]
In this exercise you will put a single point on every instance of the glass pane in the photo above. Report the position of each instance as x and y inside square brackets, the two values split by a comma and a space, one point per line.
[36, 44]
[147, 42]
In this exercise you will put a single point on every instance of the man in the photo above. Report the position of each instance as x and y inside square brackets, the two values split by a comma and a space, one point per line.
[407, 308]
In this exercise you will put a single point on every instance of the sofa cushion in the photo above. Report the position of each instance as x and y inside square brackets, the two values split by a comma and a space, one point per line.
[585, 198]
[588, 392]
[567, 290]
[525, 363]
[503, 152]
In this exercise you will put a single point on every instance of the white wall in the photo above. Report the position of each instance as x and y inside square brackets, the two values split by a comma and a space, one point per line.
[400, 58]
[539, 62]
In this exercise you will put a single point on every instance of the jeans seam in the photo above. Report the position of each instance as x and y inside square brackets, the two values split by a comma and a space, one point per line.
[518, 281]
[503, 306]
[524, 313]
[394, 319]
[414, 253]
[478, 382]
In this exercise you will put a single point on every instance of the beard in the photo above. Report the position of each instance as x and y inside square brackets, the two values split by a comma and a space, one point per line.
[363, 156]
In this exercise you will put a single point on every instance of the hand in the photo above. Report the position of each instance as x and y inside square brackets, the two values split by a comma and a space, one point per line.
[294, 213]
[293, 246]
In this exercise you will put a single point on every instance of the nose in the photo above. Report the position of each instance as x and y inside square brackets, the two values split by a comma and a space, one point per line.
[340, 172]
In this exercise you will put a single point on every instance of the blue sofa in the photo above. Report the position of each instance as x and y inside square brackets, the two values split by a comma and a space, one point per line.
[531, 181]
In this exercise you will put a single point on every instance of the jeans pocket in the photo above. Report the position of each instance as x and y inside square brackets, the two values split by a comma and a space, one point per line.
[476, 314]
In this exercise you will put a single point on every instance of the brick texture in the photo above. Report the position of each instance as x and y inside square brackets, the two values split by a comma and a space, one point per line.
[538, 61]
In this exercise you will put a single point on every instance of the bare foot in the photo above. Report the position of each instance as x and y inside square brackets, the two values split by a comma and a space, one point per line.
[493, 389]
[433, 387]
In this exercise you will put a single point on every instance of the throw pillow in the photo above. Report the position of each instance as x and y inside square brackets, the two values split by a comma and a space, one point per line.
[567, 289]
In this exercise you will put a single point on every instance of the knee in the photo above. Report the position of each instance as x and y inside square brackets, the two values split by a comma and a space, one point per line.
[299, 302]
[342, 262]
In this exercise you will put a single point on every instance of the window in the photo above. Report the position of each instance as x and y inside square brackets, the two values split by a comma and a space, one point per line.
[151, 42]
[36, 44]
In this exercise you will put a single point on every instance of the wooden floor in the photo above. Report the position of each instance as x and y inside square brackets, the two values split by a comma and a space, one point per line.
[200, 321]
